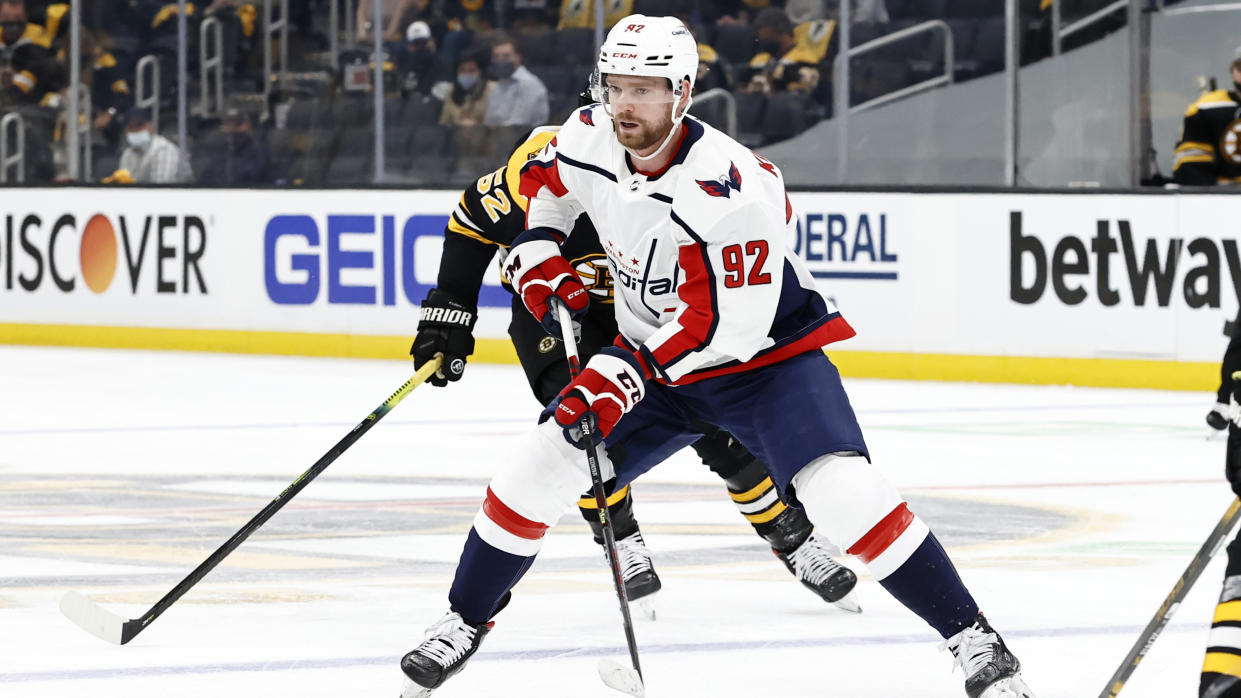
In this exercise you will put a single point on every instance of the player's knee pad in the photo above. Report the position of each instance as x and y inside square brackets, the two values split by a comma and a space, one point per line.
[544, 477]
[858, 509]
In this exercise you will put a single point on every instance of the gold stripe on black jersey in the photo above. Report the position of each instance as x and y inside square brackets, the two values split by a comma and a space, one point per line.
[589, 502]
[753, 493]
[767, 514]
[1229, 610]
[455, 226]
[1222, 663]
[760, 503]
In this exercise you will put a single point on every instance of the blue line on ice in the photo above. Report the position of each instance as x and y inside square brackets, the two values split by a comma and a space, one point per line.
[483, 656]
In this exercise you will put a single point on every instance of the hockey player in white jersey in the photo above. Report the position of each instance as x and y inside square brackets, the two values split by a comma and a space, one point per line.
[720, 323]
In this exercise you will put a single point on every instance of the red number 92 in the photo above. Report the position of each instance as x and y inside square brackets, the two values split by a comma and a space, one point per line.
[734, 264]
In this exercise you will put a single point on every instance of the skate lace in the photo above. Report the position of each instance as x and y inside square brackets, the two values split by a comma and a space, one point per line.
[972, 649]
[812, 562]
[448, 640]
[634, 556]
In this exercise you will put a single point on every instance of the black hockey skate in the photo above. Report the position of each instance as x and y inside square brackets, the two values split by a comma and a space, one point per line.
[812, 564]
[991, 671]
[638, 572]
[448, 644]
[1219, 686]
[1217, 418]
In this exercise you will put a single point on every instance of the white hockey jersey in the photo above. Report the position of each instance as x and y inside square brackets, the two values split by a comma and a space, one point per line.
[705, 281]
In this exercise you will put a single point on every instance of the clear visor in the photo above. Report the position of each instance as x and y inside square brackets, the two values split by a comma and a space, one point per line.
[621, 92]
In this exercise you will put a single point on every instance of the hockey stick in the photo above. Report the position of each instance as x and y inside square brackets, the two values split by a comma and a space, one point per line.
[1173, 601]
[102, 623]
[613, 673]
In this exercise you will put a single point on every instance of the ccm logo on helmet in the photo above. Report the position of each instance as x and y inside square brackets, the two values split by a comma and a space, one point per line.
[624, 55]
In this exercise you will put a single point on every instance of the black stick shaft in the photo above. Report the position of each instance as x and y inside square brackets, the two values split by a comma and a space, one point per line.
[601, 497]
[137, 625]
[1173, 600]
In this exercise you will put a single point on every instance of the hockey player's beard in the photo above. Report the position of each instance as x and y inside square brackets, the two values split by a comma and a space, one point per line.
[646, 136]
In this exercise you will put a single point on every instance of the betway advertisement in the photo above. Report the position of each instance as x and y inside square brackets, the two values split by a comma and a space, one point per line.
[1043, 275]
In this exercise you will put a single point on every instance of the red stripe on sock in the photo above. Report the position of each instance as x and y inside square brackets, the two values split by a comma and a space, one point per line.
[510, 520]
[877, 539]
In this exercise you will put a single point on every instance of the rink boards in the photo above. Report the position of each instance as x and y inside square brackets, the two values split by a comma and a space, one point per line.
[1081, 288]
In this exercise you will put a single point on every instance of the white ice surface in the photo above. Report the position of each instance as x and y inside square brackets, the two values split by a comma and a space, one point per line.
[120, 471]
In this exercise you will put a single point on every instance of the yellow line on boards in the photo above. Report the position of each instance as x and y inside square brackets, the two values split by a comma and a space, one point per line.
[1119, 373]
[1108, 373]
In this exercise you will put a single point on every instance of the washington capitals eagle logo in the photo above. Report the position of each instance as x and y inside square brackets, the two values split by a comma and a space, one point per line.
[724, 185]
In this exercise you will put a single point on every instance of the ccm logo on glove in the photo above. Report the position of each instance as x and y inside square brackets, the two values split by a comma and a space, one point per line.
[609, 386]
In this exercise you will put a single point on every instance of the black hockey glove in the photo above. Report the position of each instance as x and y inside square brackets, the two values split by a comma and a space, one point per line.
[447, 328]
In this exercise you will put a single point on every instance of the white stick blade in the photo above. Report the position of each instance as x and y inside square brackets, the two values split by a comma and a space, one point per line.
[619, 677]
[92, 617]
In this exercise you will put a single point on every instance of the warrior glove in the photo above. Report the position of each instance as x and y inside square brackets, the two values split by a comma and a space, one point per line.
[447, 328]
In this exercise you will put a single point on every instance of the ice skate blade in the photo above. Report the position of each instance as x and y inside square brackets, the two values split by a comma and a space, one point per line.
[1011, 687]
[646, 606]
[848, 603]
[413, 690]
[621, 678]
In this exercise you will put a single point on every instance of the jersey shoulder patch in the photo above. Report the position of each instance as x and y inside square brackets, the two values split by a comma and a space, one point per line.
[724, 185]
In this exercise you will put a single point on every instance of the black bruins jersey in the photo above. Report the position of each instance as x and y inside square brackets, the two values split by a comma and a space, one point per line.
[1209, 151]
[490, 215]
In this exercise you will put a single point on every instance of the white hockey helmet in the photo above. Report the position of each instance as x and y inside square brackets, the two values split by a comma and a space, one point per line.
[643, 46]
[650, 47]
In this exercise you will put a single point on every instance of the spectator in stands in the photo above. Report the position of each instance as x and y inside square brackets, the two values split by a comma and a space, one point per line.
[240, 21]
[28, 70]
[788, 57]
[245, 159]
[519, 98]
[580, 14]
[150, 158]
[110, 92]
[52, 19]
[722, 12]
[161, 17]
[418, 62]
[470, 16]
[1209, 150]
[466, 107]
[397, 14]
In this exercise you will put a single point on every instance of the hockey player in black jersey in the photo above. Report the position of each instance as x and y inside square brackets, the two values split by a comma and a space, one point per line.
[1209, 151]
[490, 215]
[1221, 668]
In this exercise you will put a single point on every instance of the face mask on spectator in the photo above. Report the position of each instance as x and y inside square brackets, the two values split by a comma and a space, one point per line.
[503, 70]
[467, 81]
[12, 31]
[138, 139]
[770, 46]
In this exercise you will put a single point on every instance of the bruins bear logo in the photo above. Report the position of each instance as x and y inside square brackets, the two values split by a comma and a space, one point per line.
[1230, 143]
